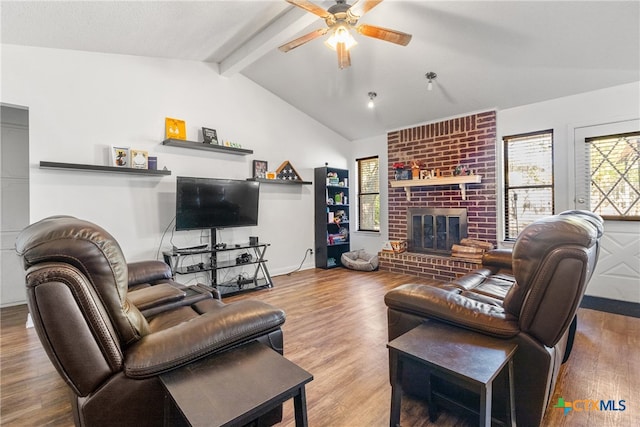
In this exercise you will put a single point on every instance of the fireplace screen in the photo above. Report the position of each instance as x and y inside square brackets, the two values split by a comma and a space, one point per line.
[435, 230]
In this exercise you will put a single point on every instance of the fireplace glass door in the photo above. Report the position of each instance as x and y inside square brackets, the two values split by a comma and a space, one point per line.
[435, 230]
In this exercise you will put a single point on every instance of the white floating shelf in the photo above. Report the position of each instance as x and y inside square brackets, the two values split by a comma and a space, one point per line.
[461, 181]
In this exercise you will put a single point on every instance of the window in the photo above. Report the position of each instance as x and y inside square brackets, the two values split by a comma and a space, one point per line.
[368, 194]
[528, 176]
[612, 166]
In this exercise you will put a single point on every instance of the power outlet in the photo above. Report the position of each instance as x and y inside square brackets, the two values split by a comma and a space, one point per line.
[310, 251]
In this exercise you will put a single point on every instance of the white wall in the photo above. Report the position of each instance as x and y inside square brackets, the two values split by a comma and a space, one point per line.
[617, 275]
[563, 115]
[81, 103]
[367, 147]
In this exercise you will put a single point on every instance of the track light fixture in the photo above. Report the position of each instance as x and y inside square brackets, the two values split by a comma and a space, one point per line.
[431, 76]
[372, 96]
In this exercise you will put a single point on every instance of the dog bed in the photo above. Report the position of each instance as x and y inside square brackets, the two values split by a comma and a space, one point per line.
[359, 260]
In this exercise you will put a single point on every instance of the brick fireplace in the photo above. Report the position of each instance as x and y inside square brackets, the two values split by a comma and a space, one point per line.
[468, 141]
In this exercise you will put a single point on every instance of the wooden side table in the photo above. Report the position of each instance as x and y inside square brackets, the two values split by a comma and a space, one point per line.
[465, 358]
[237, 386]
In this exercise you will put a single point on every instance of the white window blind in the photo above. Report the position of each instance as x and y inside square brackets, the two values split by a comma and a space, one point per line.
[528, 192]
[368, 194]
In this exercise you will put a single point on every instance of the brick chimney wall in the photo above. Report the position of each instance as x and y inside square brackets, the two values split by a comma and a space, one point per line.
[468, 141]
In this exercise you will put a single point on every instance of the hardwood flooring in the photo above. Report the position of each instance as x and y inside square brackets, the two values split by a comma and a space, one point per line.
[336, 329]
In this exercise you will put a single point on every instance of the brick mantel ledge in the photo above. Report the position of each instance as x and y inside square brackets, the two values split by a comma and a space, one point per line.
[438, 267]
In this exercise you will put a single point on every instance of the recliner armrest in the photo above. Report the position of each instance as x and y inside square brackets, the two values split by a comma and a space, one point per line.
[501, 258]
[148, 272]
[154, 296]
[447, 304]
[212, 332]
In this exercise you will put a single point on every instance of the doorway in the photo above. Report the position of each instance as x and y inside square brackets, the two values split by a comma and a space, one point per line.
[14, 204]
[617, 275]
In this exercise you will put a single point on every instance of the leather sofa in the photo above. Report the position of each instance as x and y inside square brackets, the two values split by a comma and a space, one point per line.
[80, 291]
[528, 295]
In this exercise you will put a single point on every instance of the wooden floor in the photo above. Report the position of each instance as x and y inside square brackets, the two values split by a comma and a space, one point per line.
[336, 329]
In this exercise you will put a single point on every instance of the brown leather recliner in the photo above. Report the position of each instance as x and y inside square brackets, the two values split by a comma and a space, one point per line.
[529, 296]
[152, 290]
[107, 352]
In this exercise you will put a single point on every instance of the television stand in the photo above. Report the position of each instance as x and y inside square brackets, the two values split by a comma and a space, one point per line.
[189, 249]
[254, 275]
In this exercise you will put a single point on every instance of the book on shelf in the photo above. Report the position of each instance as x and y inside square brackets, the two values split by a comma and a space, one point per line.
[175, 128]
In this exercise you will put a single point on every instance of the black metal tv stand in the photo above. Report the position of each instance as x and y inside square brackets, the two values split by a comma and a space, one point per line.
[258, 278]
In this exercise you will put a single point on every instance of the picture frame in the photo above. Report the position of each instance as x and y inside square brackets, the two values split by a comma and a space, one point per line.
[139, 159]
[210, 136]
[120, 156]
[175, 128]
[260, 168]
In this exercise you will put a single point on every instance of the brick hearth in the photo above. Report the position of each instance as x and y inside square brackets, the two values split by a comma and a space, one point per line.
[468, 141]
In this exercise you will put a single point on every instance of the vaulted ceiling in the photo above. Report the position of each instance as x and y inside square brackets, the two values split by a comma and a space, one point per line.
[487, 54]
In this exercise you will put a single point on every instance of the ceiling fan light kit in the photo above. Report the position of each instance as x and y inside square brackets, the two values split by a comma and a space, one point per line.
[341, 35]
[341, 18]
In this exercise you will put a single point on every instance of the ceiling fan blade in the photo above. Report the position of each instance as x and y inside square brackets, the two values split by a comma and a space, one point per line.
[344, 57]
[304, 39]
[310, 7]
[362, 7]
[385, 34]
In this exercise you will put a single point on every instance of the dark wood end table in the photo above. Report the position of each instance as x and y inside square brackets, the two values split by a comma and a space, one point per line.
[465, 358]
[237, 386]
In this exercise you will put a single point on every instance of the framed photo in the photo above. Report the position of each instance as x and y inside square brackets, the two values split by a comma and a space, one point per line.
[139, 159]
[425, 174]
[175, 128]
[120, 156]
[210, 136]
[259, 169]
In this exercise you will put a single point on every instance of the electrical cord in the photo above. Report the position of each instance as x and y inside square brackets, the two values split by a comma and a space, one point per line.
[302, 262]
[162, 238]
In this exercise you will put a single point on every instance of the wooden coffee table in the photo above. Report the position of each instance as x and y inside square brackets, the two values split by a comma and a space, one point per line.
[237, 386]
[466, 358]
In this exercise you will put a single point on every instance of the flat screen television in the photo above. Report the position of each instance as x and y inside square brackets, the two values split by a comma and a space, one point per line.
[215, 203]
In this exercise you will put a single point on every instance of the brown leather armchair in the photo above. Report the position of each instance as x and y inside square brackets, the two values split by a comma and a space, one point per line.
[529, 296]
[109, 353]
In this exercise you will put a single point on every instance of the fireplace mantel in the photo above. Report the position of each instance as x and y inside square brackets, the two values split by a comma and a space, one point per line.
[461, 180]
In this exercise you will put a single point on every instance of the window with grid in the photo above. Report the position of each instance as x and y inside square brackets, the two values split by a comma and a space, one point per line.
[528, 176]
[368, 194]
[612, 170]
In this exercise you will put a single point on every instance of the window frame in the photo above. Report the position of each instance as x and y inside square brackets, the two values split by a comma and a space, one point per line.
[360, 193]
[506, 140]
[591, 140]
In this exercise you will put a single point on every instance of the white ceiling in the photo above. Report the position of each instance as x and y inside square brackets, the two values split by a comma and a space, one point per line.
[486, 54]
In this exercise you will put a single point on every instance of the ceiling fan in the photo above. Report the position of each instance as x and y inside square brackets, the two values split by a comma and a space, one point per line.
[341, 18]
